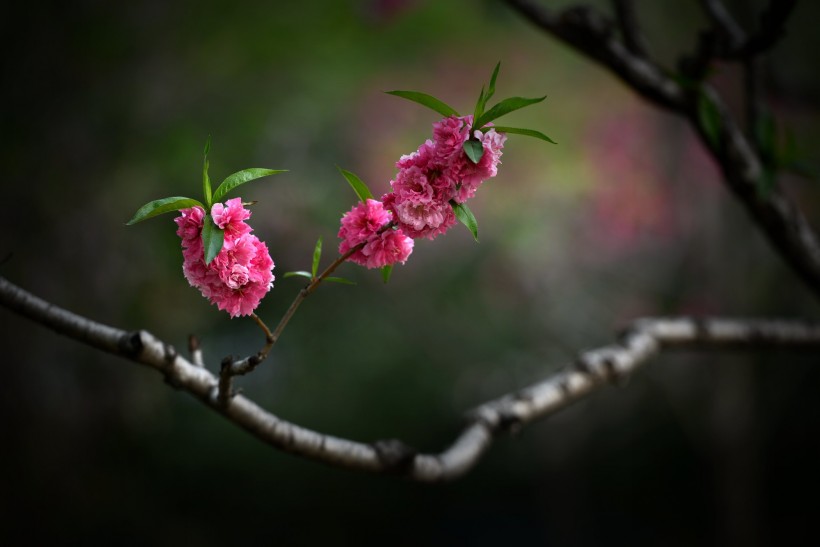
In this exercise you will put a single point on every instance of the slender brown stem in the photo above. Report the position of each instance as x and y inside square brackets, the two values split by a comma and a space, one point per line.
[231, 367]
[312, 286]
[314, 283]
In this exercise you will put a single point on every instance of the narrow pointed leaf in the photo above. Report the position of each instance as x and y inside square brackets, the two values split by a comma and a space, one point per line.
[527, 132]
[491, 89]
[206, 180]
[474, 150]
[241, 177]
[466, 217]
[297, 274]
[165, 205]
[386, 271]
[212, 238]
[317, 255]
[505, 107]
[480, 104]
[426, 100]
[361, 189]
[341, 280]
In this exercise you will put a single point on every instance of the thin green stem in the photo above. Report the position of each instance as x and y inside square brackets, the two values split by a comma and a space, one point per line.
[231, 367]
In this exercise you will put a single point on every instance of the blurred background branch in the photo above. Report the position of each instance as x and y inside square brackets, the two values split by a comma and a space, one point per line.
[743, 169]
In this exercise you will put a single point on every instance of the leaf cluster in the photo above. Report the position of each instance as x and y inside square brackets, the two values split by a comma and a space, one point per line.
[482, 118]
[212, 236]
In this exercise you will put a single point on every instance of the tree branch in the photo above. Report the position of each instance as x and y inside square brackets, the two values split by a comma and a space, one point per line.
[725, 24]
[592, 34]
[787, 230]
[630, 30]
[591, 371]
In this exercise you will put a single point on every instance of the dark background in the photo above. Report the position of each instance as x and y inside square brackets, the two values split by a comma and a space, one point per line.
[106, 106]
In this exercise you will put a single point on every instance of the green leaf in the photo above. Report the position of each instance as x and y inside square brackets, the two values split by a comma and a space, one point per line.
[357, 184]
[484, 97]
[527, 132]
[709, 118]
[206, 180]
[212, 238]
[466, 217]
[241, 177]
[491, 89]
[341, 280]
[386, 271]
[474, 150]
[165, 205]
[317, 255]
[299, 274]
[505, 107]
[426, 100]
[479, 105]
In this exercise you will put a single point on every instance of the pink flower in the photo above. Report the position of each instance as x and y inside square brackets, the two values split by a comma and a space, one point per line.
[420, 217]
[389, 247]
[241, 274]
[424, 157]
[361, 225]
[470, 174]
[190, 224]
[231, 217]
[236, 277]
[361, 222]
[412, 183]
[449, 135]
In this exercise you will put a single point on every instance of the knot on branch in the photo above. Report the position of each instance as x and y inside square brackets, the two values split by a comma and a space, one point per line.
[395, 456]
[508, 422]
[131, 344]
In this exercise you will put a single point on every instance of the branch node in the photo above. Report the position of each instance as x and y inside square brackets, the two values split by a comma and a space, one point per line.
[193, 343]
[195, 350]
[396, 457]
[509, 422]
[131, 344]
[581, 365]
[611, 372]
[169, 353]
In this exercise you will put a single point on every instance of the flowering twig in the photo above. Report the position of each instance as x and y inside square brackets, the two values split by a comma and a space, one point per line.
[231, 368]
[591, 371]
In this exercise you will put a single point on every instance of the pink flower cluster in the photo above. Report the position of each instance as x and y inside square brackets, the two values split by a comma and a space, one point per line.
[239, 276]
[429, 181]
[439, 173]
[362, 225]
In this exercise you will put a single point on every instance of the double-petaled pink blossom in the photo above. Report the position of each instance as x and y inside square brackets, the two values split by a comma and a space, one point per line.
[429, 182]
[241, 274]
[439, 174]
[363, 224]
